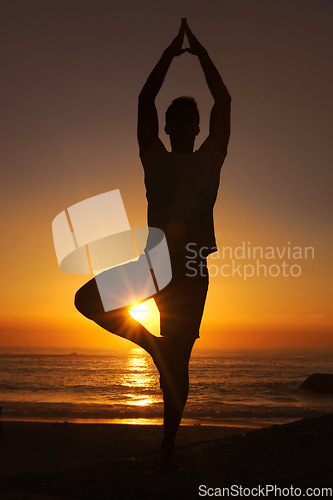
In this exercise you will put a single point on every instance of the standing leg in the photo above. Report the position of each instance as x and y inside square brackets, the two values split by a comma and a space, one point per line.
[173, 367]
[181, 306]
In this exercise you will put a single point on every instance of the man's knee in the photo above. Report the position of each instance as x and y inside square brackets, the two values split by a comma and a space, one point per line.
[174, 381]
[81, 304]
[87, 300]
[174, 395]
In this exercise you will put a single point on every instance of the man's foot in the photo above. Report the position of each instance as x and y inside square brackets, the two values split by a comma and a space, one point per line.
[167, 455]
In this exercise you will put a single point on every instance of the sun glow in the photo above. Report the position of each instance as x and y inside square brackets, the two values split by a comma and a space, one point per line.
[139, 312]
[148, 315]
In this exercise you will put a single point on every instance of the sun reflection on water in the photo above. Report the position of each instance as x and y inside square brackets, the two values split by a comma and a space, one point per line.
[140, 374]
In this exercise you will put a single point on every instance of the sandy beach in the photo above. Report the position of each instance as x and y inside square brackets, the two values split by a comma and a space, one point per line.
[99, 461]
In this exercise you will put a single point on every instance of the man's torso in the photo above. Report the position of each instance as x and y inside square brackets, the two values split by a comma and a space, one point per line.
[181, 193]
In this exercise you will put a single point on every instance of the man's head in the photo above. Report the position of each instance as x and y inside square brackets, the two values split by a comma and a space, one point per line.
[182, 123]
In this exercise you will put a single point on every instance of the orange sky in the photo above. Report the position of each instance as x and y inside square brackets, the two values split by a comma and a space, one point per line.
[71, 76]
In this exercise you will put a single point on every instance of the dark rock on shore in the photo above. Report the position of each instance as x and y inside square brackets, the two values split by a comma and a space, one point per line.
[318, 382]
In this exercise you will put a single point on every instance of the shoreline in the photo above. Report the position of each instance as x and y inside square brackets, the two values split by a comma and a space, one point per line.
[239, 424]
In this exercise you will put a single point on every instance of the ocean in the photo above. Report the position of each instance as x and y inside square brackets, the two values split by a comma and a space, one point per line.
[250, 388]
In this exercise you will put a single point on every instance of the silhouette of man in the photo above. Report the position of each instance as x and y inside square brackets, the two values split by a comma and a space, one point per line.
[181, 190]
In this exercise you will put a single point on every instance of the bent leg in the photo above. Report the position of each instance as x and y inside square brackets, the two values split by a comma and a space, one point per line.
[119, 321]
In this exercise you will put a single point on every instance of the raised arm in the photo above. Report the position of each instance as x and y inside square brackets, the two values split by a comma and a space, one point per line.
[147, 113]
[219, 129]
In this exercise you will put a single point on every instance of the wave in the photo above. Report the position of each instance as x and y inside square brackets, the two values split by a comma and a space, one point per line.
[68, 411]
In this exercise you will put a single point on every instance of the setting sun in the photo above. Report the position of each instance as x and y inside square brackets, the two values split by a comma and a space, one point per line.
[148, 315]
[139, 312]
